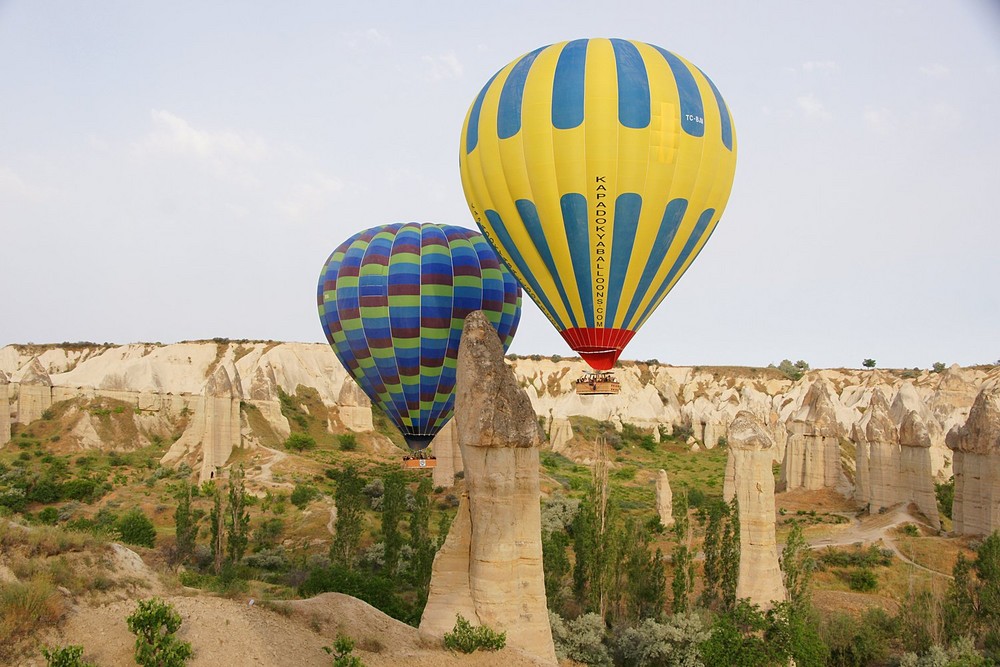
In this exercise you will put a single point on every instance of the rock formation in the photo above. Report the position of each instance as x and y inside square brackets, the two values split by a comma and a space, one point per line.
[812, 454]
[263, 395]
[560, 433]
[916, 481]
[34, 394]
[750, 457]
[4, 409]
[664, 499]
[355, 407]
[449, 456]
[976, 449]
[876, 442]
[215, 426]
[490, 566]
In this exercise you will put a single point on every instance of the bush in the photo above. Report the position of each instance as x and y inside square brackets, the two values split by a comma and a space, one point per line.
[303, 494]
[300, 442]
[134, 527]
[154, 623]
[341, 652]
[581, 639]
[378, 591]
[49, 516]
[65, 656]
[348, 442]
[465, 638]
[863, 580]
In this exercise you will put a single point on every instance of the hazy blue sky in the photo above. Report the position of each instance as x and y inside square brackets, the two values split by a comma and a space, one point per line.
[180, 170]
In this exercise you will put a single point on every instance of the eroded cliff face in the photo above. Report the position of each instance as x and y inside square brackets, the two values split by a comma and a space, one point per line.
[976, 445]
[161, 381]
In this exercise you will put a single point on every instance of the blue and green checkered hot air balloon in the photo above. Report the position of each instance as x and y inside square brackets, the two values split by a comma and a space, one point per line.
[393, 300]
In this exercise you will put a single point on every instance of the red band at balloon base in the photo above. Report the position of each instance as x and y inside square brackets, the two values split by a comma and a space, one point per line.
[600, 348]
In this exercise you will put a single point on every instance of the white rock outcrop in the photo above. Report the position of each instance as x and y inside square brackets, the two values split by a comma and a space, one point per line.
[750, 459]
[490, 566]
[4, 409]
[664, 499]
[812, 453]
[916, 479]
[215, 426]
[355, 407]
[448, 454]
[976, 449]
[876, 442]
[34, 393]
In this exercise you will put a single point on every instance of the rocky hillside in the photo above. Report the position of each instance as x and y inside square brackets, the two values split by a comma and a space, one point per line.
[210, 397]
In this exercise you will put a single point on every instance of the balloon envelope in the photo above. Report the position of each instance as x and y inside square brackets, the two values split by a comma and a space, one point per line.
[393, 300]
[598, 168]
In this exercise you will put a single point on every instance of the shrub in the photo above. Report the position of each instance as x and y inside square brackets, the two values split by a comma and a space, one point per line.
[581, 639]
[863, 580]
[348, 442]
[300, 442]
[134, 527]
[303, 494]
[65, 656]
[465, 638]
[26, 607]
[154, 623]
[49, 516]
[341, 652]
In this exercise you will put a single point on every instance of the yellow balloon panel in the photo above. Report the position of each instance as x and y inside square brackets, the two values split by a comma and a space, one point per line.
[598, 169]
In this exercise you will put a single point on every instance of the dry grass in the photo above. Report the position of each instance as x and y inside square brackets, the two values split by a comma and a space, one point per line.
[25, 607]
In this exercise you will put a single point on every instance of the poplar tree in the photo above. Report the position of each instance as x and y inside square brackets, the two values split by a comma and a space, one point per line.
[238, 518]
[350, 499]
[393, 504]
[185, 527]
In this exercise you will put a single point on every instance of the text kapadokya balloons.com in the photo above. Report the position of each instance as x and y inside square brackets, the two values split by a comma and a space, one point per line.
[598, 169]
[393, 300]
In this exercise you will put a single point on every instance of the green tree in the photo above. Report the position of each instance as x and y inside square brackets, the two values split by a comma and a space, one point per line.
[797, 564]
[350, 507]
[683, 581]
[134, 527]
[185, 527]
[342, 650]
[300, 442]
[938, 367]
[556, 566]
[65, 656]
[348, 442]
[218, 522]
[646, 578]
[421, 548]
[154, 623]
[237, 518]
[393, 504]
[729, 555]
[868, 363]
[303, 494]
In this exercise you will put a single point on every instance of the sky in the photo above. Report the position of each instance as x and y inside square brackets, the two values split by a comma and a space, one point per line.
[181, 170]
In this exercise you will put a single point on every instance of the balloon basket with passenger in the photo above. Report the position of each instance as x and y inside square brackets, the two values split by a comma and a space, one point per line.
[601, 383]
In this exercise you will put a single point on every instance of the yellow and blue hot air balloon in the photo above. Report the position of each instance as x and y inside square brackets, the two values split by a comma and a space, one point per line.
[393, 300]
[598, 169]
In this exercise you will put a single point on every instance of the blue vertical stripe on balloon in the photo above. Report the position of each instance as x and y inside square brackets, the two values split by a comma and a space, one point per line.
[633, 85]
[405, 320]
[509, 110]
[529, 215]
[522, 267]
[671, 220]
[627, 208]
[727, 126]
[689, 246]
[568, 85]
[472, 131]
[692, 107]
[575, 221]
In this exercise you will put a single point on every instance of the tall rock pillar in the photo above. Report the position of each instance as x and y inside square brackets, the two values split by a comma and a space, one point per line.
[750, 456]
[812, 456]
[664, 499]
[490, 566]
[4, 410]
[34, 394]
[976, 452]
[877, 457]
[916, 476]
[448, 455]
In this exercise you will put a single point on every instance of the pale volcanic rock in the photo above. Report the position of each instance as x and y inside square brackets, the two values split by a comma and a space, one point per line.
[560, 434]
[664, 499]
[976, 448]
[490, 567]
[916, 480]
[812, 453]
[263, 394]
[4, 409]
[908, 399]
[214, 430]
[750, 460]
[449, 456]
[34, 394]
[355, 408]
[877, 457]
